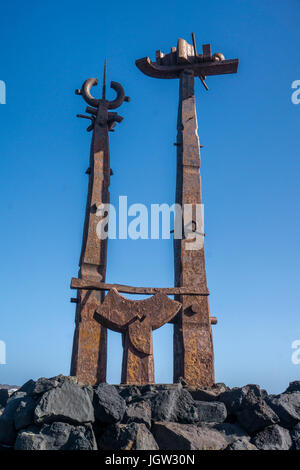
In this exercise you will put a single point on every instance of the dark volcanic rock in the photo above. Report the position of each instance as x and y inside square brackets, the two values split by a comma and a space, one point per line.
[57, 436]
[295, 433]
[247, 407]
[89, 390]
[129, 392]
[273, 438]
[207, 393]
[155, 388]
[211, 412]
[241, 444]
[176, 436]
[293, 387]
[7, 427]
[57, 413]
[24, 412]
[28, 387]
[133, 436]
[287, 407]
[231, 432]
[256, 417]
[173, 405]
[238, 398]
[16, 396]
[67, 402]
[138, 413]
[109, 406]
[4, 395]
[43, 384]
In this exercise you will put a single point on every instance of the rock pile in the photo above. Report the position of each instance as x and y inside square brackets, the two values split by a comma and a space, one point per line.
[61, 413]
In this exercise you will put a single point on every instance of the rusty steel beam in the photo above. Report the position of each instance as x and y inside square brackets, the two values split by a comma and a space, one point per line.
[89, 356]
[193, 346]
[88, 285]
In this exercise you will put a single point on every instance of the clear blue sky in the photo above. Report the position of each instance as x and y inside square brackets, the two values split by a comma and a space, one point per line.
[250, 170]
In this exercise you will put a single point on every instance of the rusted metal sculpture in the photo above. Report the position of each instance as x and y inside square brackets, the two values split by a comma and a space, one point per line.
[90, 338]
[193, 346]
[94, 313]
[136, 320]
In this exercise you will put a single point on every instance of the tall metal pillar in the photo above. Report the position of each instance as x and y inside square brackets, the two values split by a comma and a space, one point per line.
[193, 347]
[89, 356]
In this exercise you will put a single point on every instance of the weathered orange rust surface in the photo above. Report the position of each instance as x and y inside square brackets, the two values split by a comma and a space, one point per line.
[193, 348]
[136, 319]
[90, 342]
[89, 356]
[89, 350]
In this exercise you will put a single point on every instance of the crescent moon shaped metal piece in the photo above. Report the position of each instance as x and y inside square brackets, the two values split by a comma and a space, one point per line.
[115, 313]
[120, 95]
[139, 317]
[86, 92]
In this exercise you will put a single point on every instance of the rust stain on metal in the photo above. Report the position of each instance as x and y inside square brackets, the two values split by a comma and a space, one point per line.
[193, 346]
[83, 284]
[192, 335]
[184, 58]
[89, 356]
[136, 319]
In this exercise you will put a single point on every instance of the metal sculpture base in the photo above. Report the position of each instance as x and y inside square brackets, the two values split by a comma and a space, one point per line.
[137, 368]
[90, 341]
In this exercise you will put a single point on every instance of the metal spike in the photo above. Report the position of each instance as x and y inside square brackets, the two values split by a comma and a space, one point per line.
[203, 82]
[194, 44]
[104, 81]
